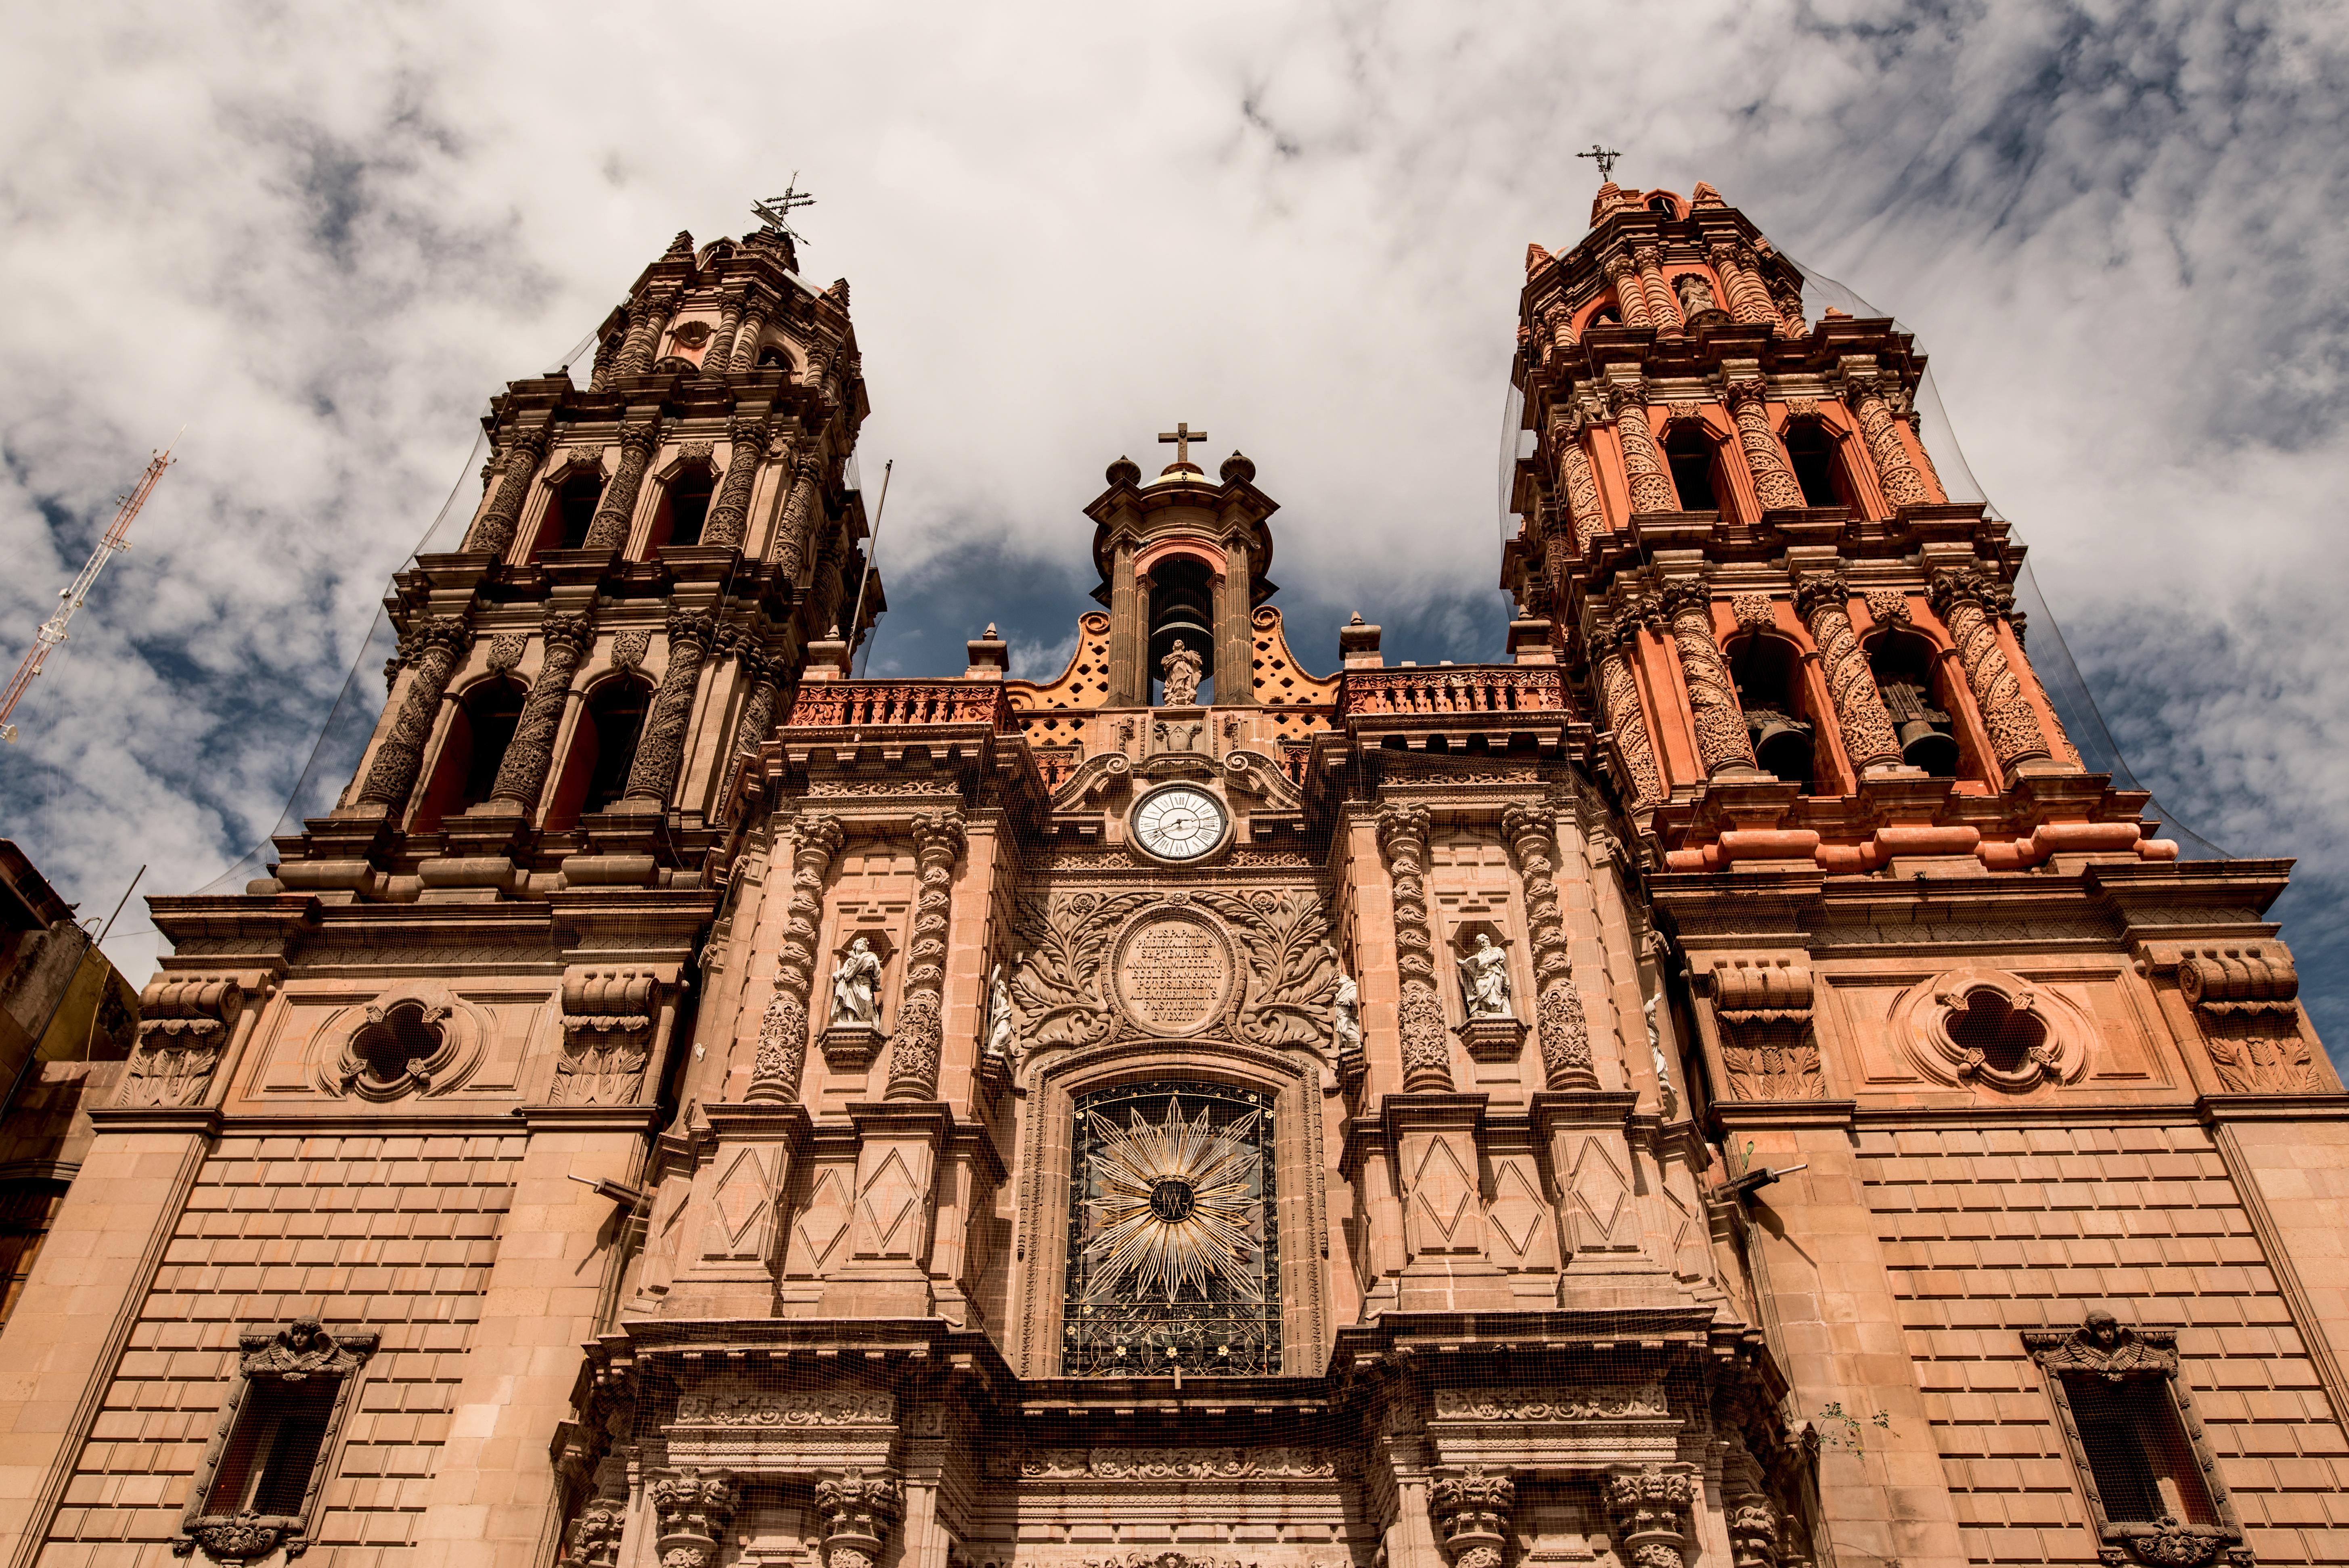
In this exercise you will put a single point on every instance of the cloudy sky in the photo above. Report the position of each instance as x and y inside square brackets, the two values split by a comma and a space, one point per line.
[320, 236]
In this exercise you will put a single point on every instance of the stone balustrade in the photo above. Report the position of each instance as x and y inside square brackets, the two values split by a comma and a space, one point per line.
[1452, 688]
[883, 704]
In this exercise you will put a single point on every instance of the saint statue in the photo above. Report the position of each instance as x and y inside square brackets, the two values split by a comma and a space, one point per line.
[1485, 980]
[1180, 669]
[856, 988]
[1664, 1089]
[1345, 1011]
[1001, 1042]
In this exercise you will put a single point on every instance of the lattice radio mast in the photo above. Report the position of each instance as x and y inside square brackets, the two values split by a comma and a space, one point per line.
[53, 630]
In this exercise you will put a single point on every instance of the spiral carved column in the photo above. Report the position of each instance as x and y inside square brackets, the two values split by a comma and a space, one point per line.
[1721, 738]
[1564, 1030]
[1867, 735]
[523, 772]
[1749, 299]
[921, 1028]
[730, 515]
[430, 650]
[1582, 507]
[1903, 486]
[1472, 1516]
[608, 529]
[1765, 458]
[661, 753]
[516, 472]
[1619, 690]
[720, 358]
[646, 317]
[800, 509]
[1644, 462]
[755, 308]
[1968, 604]
[757, 714]
[1630, 293]
[1426, 1056]
[1662, 309]
[783, 1031]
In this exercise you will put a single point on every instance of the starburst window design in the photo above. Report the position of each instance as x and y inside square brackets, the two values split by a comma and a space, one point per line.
[1173, 1247]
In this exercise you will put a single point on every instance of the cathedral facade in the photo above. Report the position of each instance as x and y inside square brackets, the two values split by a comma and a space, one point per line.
[1720, 1086]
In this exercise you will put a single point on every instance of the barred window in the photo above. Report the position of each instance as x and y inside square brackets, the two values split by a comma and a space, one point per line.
[2137, 1449]
[257, 1488]
[1172, 1245]
[272, 1450]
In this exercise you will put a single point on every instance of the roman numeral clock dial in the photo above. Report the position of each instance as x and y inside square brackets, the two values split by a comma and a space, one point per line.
[1179, 822]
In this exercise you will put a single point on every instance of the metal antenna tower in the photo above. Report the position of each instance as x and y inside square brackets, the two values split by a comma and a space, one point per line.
[53, 630]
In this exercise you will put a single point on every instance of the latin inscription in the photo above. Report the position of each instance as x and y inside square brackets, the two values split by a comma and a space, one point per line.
[1174, 974]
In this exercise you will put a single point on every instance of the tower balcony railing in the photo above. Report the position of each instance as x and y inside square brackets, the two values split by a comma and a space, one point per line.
[1452, 689]
[882, 704]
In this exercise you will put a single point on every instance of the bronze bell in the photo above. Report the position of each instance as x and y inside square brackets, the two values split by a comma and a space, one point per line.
[1781, 745]
[1922, 746]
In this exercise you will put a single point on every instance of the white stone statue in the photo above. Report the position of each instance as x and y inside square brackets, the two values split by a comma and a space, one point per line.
[1485, 980]
[1664, 1089]
[856, 988]
[1002, 1033]
[1345, 1010]
[1180, 670]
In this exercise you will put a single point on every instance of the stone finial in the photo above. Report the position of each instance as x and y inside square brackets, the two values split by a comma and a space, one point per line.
[1125, 471]
[680, 248]
[1535, 259]
[1704, 195]
[1238, 471]
[1358, 646]
[990, 657]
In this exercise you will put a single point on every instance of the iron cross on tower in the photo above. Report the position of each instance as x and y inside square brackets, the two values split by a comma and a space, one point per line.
[1182, 436]
[776, 212]
[1604, 157]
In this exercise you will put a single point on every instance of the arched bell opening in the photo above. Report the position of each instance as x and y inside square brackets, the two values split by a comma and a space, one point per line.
[1785, 735]
[1922, 722]
[571, 510]
[1817, 454]
[1182, 608]
[1691, 454]
[479, 730]
[683, 508]
[602, 748]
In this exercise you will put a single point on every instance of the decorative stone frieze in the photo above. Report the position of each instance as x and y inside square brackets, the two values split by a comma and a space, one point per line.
[783, 1031]
[1427, 1059]
[913, 1051]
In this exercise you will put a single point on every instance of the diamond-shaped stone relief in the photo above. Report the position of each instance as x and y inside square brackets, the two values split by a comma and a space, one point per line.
[1517, 1211]
[1443, 1195]
[823, 1221]
[742, 1201]
[1599, 1192]
[890, 1199]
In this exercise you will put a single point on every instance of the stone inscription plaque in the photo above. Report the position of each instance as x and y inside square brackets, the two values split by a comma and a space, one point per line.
[1174, 974]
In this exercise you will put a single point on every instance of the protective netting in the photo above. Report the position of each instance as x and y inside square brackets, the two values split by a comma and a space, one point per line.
[2051, 656]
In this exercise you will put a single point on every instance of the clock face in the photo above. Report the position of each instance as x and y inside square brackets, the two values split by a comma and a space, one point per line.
[1178, 823]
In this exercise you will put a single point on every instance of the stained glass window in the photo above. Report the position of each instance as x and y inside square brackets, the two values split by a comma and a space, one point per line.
[1173, 1246]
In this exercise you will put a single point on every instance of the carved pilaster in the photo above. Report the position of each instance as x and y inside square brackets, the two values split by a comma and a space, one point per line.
[429, 650]
[858, 1511]
[1662, 309]
[517, 470]
[1721, 734]
[1644, 462]
[1968, 603]
[730, 514]
[1863, 392]
[913, 1051]
[1472, 1516]
[522, 774]
[1631, 295]
[783, 1032]
[1823, 601]
[608, 529]
[661, 752]
[1773, 478]
[720, 358]
[1427, 1059]
[1564, 1031]
[1650, 1510]
[693, 1510]
[801, 508]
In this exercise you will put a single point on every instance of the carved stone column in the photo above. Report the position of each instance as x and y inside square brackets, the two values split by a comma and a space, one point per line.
[1631, 295]
[608, 529]
[720, 358]
[429, 650]
[1619, 690]
[517, 470]
[1650, 1509]
[693, 1510]
[1129, 683]
[1472, 1516]
[1863, 394]
[1582, 485]
[921, 1029]
[646, 317]
[1564, 1031]
[1644, 462]
[1662, 309]
[661, 753]
[523, 773]
[1867, 734]
[1753, 1518]
[801, 508]
[1721, 738]
[858, 1511]
[1235, 627]
[757, 715]
[744, 353]
[1765, 458]
[1749, 299]
[1427, 1059]
[1968, 604]
[783, 1031]
[730, 515]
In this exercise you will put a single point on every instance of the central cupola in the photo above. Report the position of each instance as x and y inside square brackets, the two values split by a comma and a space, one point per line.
[1183, 562]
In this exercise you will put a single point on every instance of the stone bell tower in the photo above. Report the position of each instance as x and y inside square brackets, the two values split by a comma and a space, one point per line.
[1924, 957]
